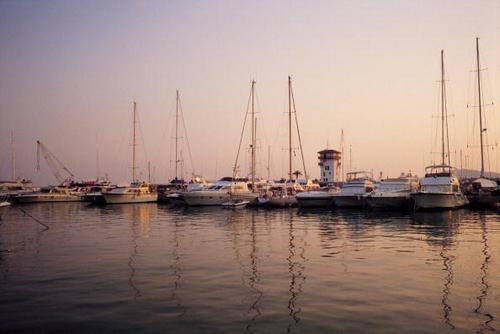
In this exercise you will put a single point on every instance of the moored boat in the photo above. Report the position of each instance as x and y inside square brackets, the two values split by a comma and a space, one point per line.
[393, 193]
[220, 192]
[135, 193]
[439, 189]
[482, 192]
[353, 191]
[317, 198]
[50, 194]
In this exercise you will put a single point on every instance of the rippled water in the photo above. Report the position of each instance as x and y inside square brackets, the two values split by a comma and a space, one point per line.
[152, 268]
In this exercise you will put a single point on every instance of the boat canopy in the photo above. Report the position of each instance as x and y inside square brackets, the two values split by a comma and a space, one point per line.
[439, 170]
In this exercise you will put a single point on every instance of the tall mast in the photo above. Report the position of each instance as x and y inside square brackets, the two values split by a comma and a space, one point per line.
[289, 128]
[13, 155]
[254, 129]
[133, 143]
[176, 130]
[442, 107]
[481, 130]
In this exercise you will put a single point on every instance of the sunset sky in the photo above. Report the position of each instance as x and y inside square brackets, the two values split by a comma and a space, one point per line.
[70, 71]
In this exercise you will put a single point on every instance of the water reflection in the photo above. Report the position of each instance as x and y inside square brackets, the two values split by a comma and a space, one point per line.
[139, 215]
[176, 267]
[440, 229]
[296, 265]
[250, 278]
[480, 309]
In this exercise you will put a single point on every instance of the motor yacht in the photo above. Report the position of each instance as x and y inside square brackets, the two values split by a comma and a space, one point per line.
[317, 198]
[439, 189]
[353, 191]
[393, 193]
[220, 192]
[137, 192]
[51, 194]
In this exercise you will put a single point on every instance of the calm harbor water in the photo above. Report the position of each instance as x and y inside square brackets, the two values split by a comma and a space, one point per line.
[152, 268]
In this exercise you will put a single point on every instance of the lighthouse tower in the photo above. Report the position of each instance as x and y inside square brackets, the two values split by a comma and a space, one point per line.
[329, 165]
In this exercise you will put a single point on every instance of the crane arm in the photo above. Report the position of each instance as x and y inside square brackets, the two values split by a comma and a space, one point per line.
[54, 164]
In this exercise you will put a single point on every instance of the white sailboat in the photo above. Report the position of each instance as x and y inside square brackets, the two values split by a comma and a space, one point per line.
[482, 192]
[137, 192]
[239, 192]
[284, 195]
[440, 188]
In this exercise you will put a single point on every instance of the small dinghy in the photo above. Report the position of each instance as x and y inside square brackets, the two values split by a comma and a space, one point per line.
[235, 204]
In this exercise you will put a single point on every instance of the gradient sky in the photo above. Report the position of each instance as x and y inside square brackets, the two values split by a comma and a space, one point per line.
[70, 70]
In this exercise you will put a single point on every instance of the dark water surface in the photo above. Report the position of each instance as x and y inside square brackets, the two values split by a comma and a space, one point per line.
[150, 268]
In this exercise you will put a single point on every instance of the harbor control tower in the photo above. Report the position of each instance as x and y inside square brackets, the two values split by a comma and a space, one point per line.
[329, 165]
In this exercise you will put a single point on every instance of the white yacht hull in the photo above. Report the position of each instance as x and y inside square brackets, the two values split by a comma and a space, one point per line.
[349, 201]
[47, 198]
[308, 200]
[281, 202]
[252, 198]
[389, 202]
[429, 201]
[175, 199]
[112, 198]
[205, 198]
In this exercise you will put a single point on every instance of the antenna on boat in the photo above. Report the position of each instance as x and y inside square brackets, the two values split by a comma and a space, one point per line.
[98, 170]
[342, 152]
[13, 156]
[149, 171]
[350, 157]
[268, 162]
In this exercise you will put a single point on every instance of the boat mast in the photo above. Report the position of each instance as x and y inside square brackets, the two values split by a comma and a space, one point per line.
[299, 138]
[176, 130]
[13, 155]
[481, 130]
[442, 107]
[289, 128]
[254, 130]
[133, 143]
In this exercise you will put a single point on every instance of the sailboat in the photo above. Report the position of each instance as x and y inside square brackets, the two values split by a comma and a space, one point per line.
[137, 192]
[283, 195]
[15, 186]
[440, 188]
[483, 191]
[171, 192]
[239, 191]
